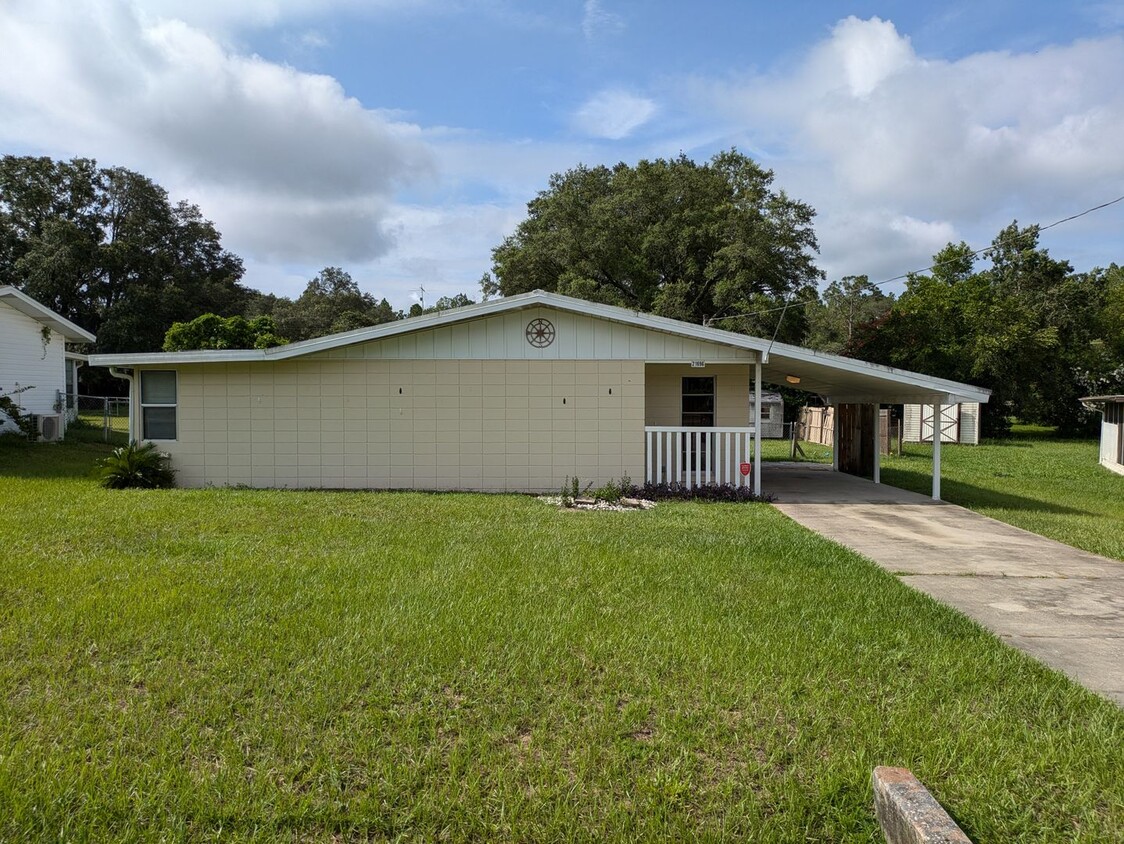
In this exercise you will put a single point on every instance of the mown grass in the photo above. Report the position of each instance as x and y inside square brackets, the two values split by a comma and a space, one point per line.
[1052, 487]
[245, 665]
[774, 450]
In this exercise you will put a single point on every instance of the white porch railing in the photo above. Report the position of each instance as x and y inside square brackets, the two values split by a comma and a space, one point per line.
[695, 456]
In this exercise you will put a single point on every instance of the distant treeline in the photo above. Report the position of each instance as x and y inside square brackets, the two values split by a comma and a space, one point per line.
[711, 242]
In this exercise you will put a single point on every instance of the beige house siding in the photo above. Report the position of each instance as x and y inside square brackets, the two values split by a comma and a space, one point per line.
[664, 393]
[408, 424]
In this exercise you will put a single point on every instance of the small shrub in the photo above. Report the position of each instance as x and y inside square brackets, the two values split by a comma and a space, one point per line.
[23, 421]
[567, 494]
[611, 492]
[136, 466]
[676, 491]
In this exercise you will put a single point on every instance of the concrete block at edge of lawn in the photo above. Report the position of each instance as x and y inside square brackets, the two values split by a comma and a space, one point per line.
[908, 813]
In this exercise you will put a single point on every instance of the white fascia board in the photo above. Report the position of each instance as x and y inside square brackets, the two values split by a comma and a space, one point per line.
[522, 301]
[924, 383]
[900, 397]
[174, 358]
[41, 313]
[912, 382]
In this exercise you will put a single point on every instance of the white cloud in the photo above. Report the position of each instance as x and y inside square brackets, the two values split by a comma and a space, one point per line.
[260, 13]
[597, 21]
[614, 114]
[952, 134]
[288, 164]
[313, 40]
[891, 147]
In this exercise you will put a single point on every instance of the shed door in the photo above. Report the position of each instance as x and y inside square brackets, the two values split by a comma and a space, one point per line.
[950, 423]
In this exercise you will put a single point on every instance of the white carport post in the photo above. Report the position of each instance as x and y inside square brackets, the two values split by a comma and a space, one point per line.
[757, 427]
[936, 452]
[877, 443]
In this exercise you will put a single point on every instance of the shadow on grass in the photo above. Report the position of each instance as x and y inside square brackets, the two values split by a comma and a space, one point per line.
[970, 495]
[73, 458]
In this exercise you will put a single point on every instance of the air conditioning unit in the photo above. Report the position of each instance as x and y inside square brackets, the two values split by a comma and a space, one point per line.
[50, 426]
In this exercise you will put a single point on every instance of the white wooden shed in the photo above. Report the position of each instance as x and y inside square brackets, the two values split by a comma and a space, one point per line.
[959, 423]
[513, 394]
[33, 354]
[1112, 430]
[772, 415]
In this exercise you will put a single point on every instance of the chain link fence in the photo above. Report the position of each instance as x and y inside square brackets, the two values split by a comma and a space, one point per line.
[103, 417]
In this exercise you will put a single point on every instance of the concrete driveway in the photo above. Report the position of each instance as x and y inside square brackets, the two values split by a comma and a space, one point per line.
[1063, 606]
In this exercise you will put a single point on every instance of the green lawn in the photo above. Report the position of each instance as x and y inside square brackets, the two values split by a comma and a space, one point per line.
[772, 450]
[1052, 487]
[244, 665]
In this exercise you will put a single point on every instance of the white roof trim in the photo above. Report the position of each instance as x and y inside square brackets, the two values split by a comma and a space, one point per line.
[935, 388]
[41, 313]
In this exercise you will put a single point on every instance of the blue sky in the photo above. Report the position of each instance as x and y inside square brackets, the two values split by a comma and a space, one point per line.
[402, 139]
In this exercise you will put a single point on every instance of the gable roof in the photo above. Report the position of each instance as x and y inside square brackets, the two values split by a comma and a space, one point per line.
[839, 378]
[41, 313]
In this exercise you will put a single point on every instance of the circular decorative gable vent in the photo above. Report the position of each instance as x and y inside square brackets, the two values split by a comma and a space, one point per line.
[540, 333]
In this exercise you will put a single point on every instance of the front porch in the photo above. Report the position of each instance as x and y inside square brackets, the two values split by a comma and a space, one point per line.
[702, 423]
[718, 440]
[701, 456]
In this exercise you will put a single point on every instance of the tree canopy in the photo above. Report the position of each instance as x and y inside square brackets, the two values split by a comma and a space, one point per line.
[842, 309]
[1027, 327]
[211, 331]
[672, 237]
[332, 302]
[107, 248]
[445, 303]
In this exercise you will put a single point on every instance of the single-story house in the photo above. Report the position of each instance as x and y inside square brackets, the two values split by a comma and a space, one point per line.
[33, 354]
[1112, 429]
[960, 423]
[513, 394]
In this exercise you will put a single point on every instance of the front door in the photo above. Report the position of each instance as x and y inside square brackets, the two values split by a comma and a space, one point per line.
[697, 412]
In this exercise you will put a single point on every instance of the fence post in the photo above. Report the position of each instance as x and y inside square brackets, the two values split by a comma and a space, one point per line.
[105, 418]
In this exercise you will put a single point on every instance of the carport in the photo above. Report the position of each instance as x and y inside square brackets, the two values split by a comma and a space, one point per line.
[857, 389]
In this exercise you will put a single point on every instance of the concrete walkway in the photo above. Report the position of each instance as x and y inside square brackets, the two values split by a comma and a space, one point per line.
[1063, 606]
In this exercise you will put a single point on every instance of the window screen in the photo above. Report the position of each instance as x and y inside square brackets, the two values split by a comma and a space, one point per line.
[158, 404]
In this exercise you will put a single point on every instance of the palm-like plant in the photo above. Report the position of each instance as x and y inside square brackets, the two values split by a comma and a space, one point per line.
[136, 466]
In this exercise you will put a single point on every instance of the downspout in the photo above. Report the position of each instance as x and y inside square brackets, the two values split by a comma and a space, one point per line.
[126, 375]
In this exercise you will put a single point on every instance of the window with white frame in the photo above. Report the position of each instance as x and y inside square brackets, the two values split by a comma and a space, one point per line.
[158, 404]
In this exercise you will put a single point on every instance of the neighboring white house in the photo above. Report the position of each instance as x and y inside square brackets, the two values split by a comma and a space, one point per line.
[33, 354]
[1112, 429]
[960, 423]
[512, 394]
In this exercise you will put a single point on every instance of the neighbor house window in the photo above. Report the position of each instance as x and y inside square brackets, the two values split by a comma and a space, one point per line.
[158, 404]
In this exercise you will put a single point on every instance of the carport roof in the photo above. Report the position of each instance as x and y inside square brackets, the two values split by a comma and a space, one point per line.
[839, 379]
